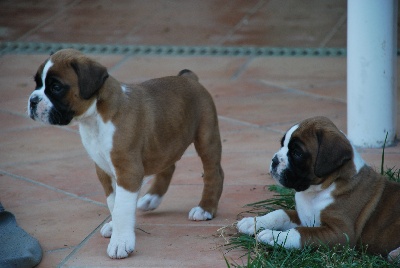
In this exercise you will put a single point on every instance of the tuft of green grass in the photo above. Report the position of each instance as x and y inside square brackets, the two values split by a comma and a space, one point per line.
[323, 256]
[392, 174]
[260, 255]
[383, 153]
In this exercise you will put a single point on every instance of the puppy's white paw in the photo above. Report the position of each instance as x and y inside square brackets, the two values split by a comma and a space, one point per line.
[267, 237]
[120, 246]
[287, 239]
[106, 230]
[247, 225]
[149, 202]
[394, 256]
[199, 214]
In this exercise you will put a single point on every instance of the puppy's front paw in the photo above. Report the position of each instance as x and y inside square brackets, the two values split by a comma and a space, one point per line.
[394, 256]
[287, 239]
[120, 246]
[199, 214]
[267, 237]
[149, 202]
[247, 225]
[106, 230]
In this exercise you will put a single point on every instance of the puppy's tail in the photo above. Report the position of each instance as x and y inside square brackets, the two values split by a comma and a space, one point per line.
[189, 74]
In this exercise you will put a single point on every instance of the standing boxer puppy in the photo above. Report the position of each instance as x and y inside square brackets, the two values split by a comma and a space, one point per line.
[131, 131]
[337, 195]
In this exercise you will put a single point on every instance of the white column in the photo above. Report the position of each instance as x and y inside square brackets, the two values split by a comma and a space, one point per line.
[371, 71]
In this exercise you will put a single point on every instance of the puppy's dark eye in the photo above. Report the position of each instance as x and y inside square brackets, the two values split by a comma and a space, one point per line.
[56, 88]
[296, 153]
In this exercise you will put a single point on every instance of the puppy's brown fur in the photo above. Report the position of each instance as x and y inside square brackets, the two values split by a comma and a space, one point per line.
[365, 210]
[132, 131]
[339, 199]
[155, 122]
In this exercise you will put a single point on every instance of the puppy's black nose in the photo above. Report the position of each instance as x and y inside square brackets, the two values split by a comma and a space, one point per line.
[34, 100]
[275, 161]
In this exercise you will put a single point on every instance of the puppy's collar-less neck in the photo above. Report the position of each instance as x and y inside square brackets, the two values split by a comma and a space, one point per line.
[90, 112]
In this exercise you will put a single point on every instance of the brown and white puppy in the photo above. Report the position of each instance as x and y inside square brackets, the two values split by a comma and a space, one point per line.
[338, 196]
[131, 131]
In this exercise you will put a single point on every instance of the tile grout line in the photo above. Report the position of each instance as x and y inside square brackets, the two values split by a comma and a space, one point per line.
[75, 153]
[15, 47]
[300, 92]
[17, 129]
[242, 21]
[59, 249]
[43, 23]
[119, 63]
[82, 243]
[37, 183]
[197, 224]
[86, 239]
[41, 125]
[247, 124]
[237, 122]
[24, 115]
[242, 69]
[334, 30]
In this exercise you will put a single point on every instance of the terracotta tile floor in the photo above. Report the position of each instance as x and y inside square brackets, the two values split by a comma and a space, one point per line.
[46, 177]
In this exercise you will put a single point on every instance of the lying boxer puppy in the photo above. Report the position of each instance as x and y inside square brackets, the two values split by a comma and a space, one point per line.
[338, 197]
[131, 131]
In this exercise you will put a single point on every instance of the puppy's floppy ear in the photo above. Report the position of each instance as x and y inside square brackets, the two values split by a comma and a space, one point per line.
[91, 76]
[333, 151]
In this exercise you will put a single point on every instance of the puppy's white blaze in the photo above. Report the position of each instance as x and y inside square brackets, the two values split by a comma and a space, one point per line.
[311, 202]
[46, 68]
[123, 237]
[45, 104]
[289, 135]
[357, 159]
[282, 153]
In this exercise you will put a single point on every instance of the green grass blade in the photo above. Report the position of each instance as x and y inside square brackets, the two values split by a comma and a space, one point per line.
[383, 153]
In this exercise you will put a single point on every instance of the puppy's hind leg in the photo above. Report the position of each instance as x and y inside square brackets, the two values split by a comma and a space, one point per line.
[209, 148]
[152, 199]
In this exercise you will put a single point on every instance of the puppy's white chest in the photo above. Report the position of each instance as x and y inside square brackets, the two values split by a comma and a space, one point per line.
[311, 202]
[97, 138]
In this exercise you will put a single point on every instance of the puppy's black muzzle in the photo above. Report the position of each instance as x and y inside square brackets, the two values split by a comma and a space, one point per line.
[33, 102]
[275, 162]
